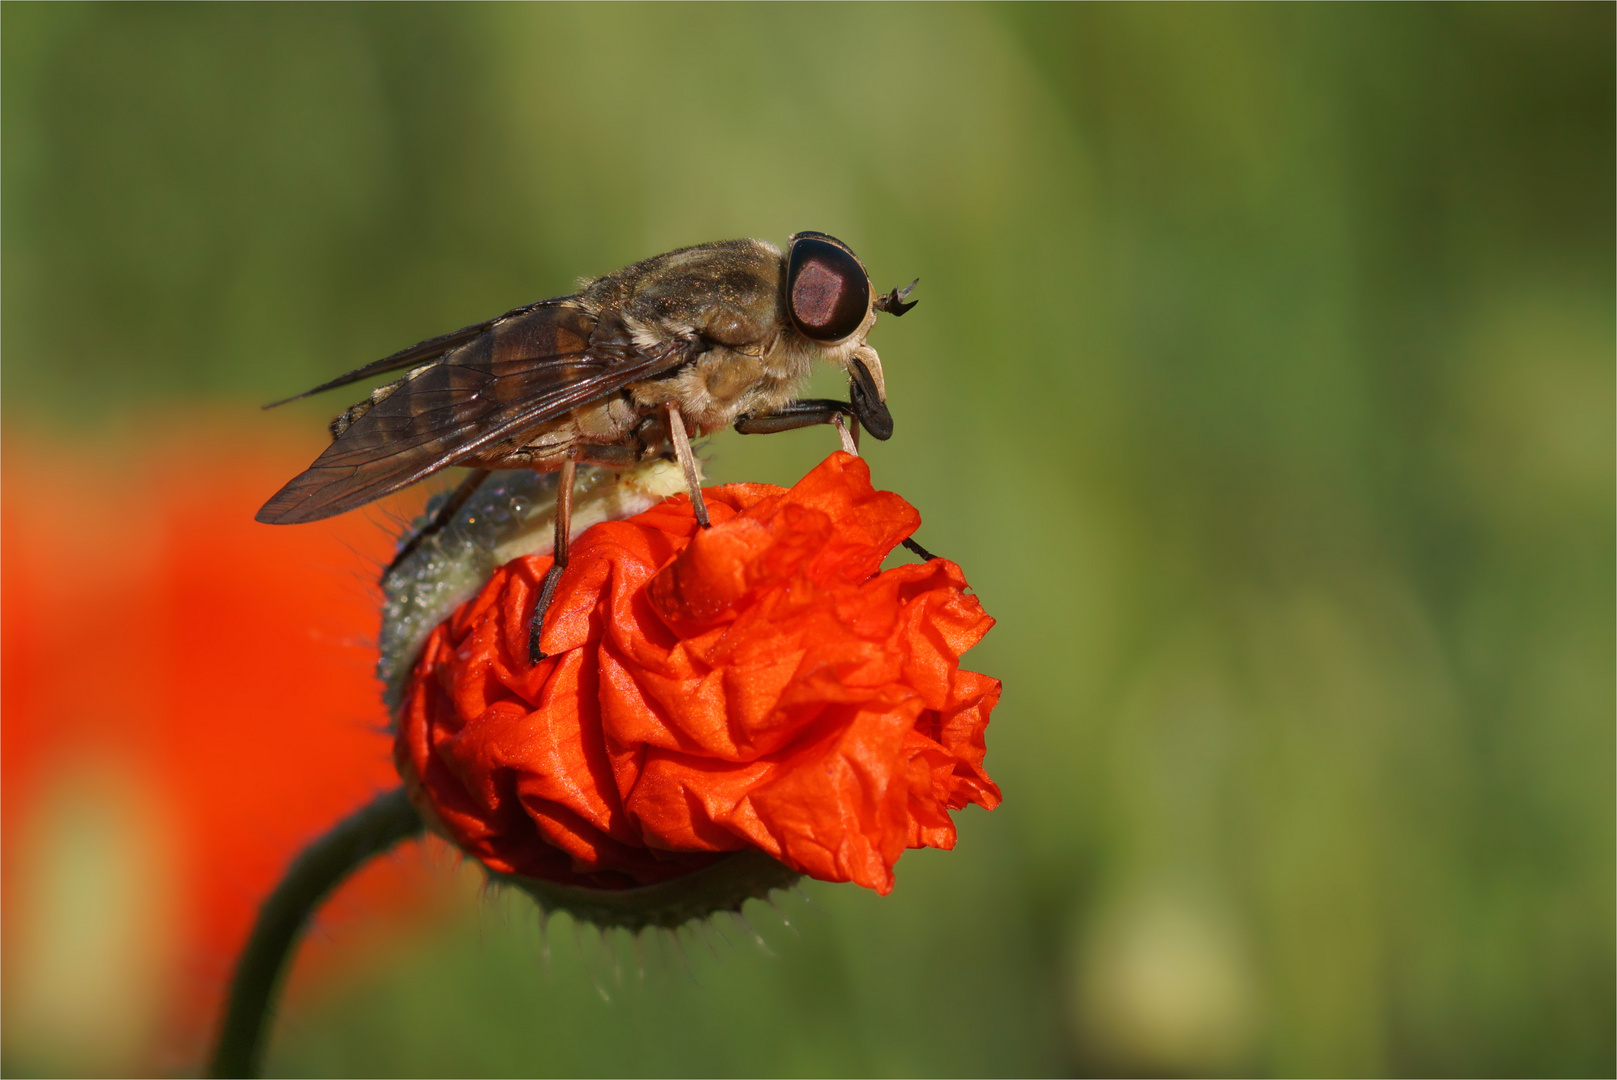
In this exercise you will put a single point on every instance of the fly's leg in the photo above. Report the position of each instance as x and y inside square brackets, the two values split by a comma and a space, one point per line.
[564, 521]
[925, 555]
[799, 414]
[547, 591]
[848, 432]
[446, 513]
[687, 461]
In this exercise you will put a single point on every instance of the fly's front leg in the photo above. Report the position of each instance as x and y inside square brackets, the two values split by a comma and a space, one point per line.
[807, 413]
[799, 414]
[563, 536]
[848, 432]
[926, 556]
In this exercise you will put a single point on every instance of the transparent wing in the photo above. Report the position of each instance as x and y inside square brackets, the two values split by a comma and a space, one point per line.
[523, 371]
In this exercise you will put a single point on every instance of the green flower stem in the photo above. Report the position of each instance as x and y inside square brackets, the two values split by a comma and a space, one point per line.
[318, 870]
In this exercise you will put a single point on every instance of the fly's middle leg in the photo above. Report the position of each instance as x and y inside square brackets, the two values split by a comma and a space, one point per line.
[564, 522]
[687, 461]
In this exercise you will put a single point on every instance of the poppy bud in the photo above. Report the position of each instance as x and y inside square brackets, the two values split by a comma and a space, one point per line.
[718, 710]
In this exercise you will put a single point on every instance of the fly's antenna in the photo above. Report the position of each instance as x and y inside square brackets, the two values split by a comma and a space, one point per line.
[894, 302]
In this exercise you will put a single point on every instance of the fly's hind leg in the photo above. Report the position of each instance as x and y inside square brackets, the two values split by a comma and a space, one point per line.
[440, 520]
[563, 534]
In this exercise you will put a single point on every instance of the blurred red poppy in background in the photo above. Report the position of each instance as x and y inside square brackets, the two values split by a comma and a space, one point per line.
[188, 699]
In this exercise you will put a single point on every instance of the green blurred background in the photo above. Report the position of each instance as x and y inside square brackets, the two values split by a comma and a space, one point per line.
[1262, 382]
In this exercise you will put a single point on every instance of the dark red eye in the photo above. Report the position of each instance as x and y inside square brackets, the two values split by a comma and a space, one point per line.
[826, 288]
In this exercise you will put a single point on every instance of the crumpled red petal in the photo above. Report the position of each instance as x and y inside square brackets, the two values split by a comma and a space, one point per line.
[757, 684]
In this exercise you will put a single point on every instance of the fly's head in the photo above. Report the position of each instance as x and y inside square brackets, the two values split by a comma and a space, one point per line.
[828, 298]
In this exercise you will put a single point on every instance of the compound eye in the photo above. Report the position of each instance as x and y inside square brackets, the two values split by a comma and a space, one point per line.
[827, 290]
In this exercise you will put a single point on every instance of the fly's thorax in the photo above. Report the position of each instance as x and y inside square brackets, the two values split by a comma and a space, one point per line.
[720, 385]
[723, 383]
[726, 292]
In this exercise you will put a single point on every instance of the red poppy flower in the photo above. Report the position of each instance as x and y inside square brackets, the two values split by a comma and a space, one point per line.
[758, 685]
